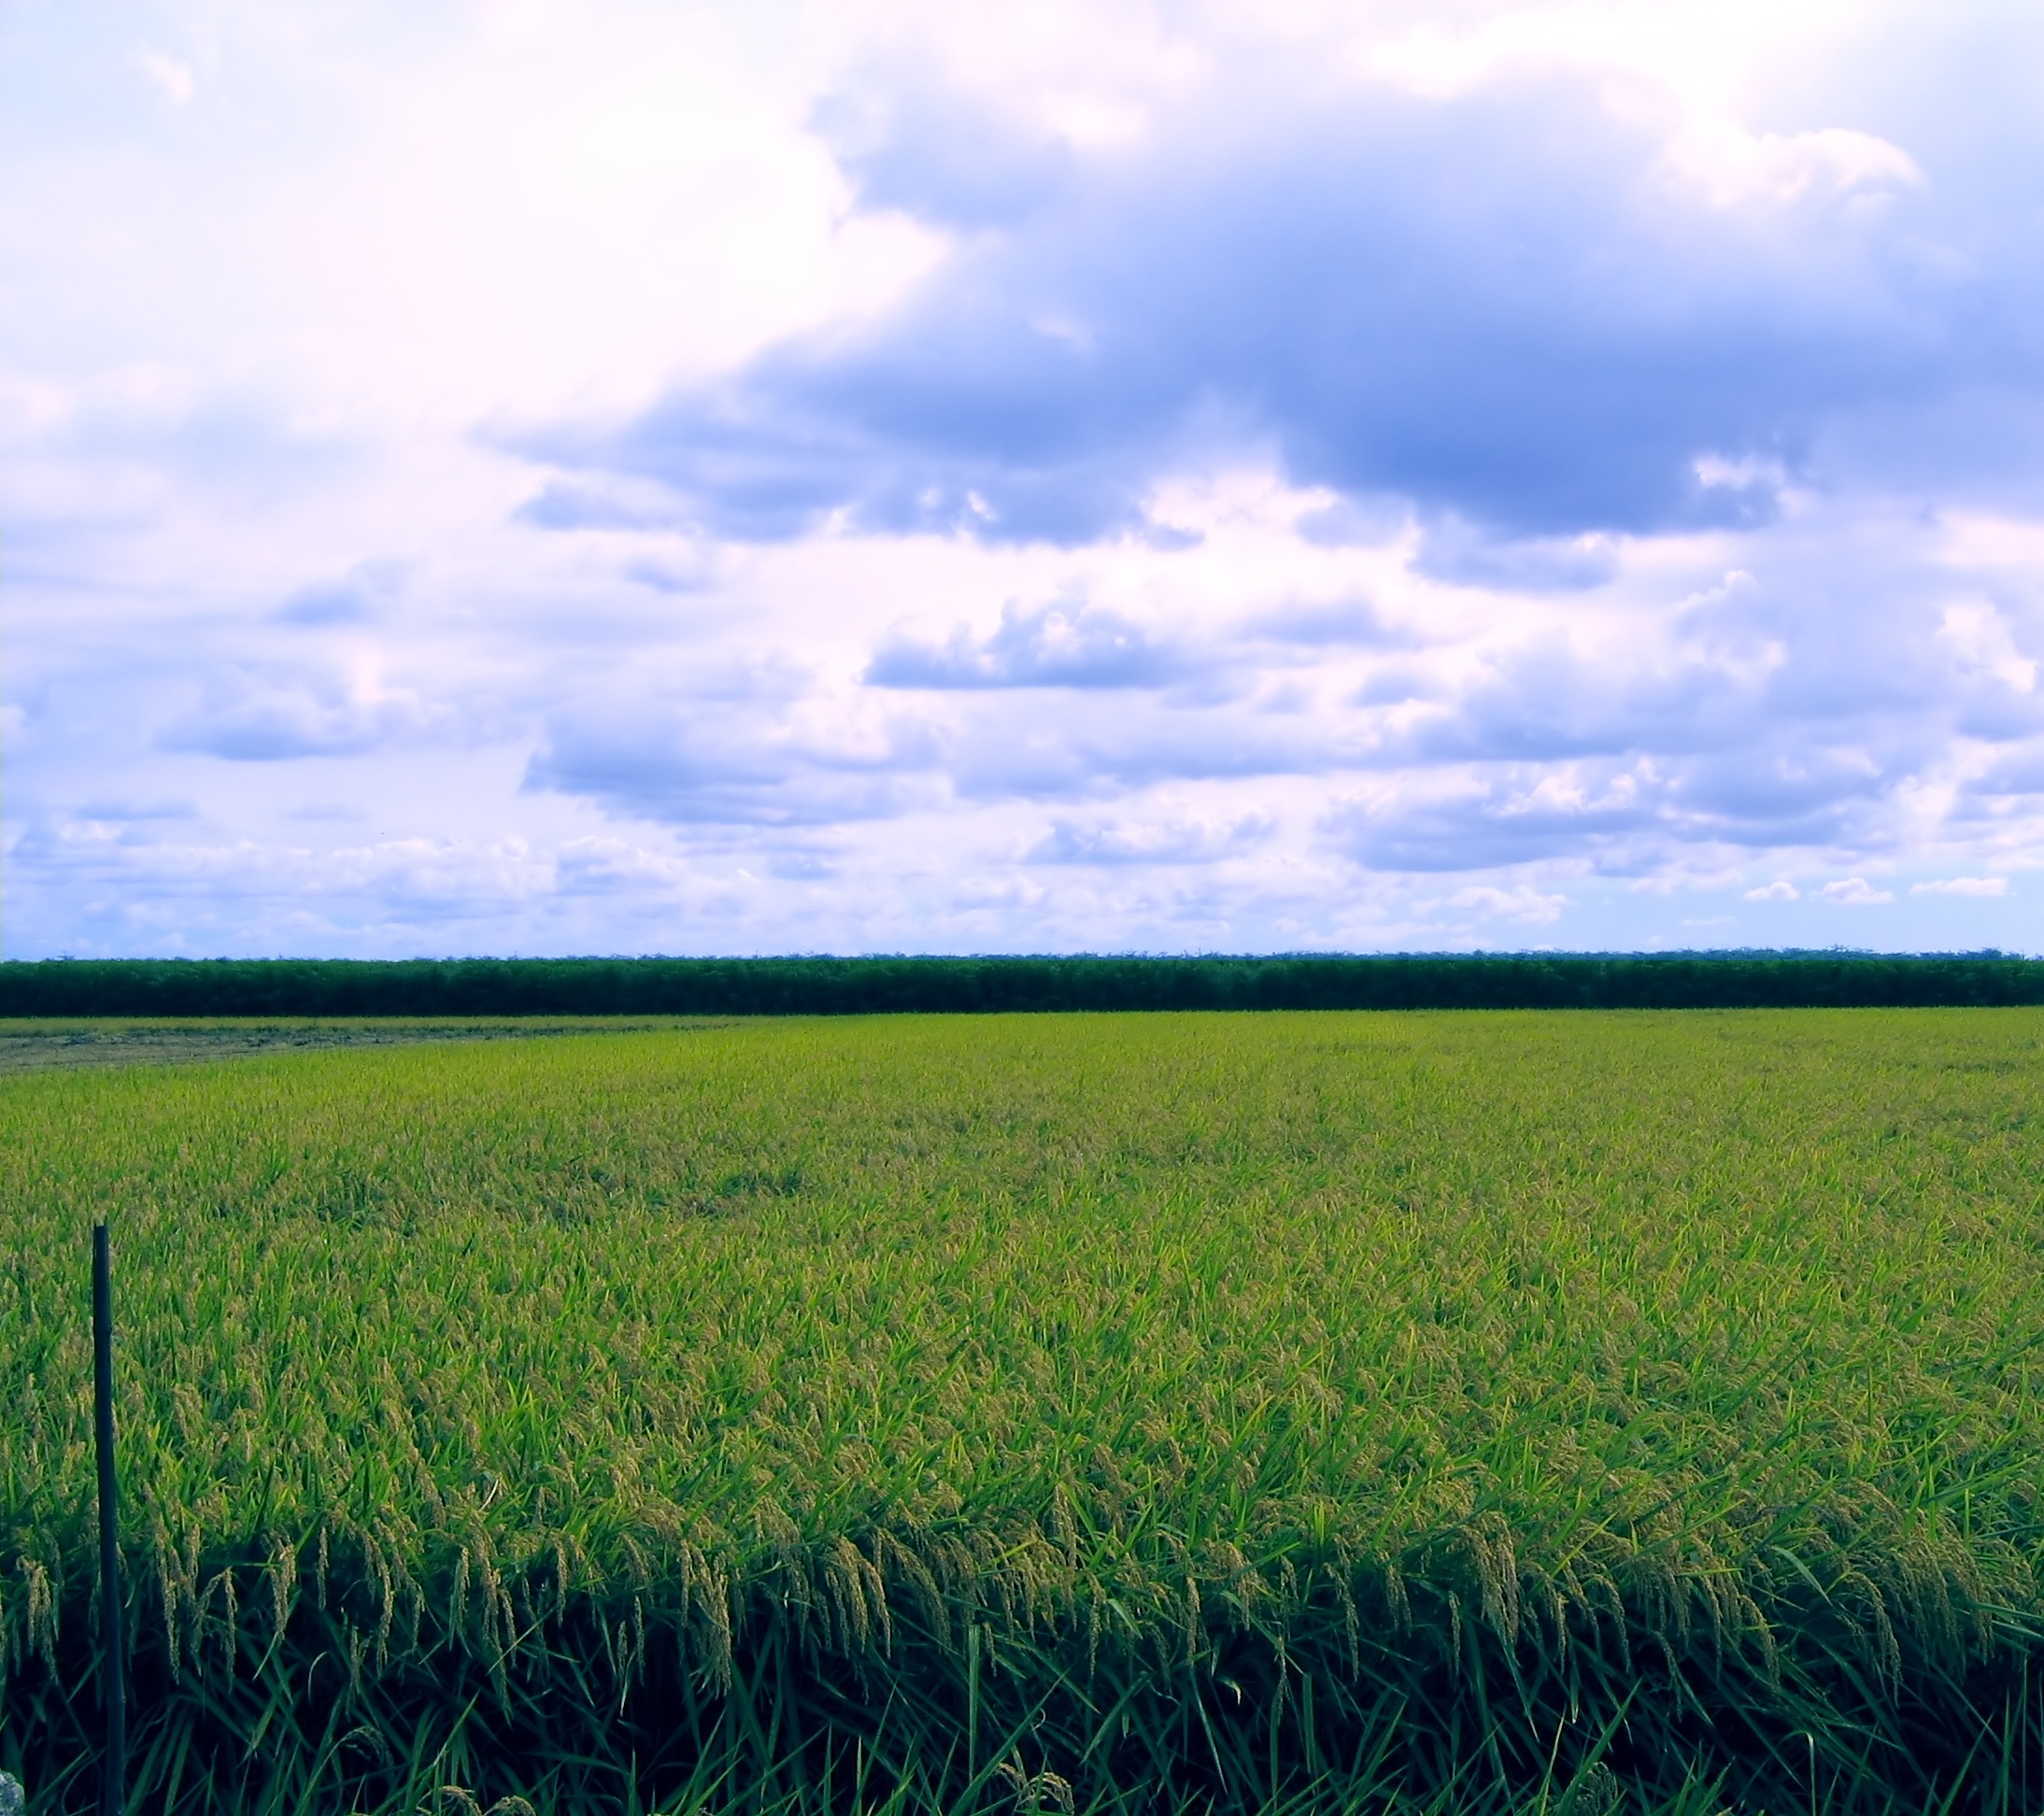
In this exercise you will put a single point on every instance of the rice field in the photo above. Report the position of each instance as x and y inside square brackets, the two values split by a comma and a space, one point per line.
[1480, 1411]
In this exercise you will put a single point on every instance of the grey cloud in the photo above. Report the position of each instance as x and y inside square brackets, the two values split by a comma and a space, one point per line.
[2014, 773]
[605, 502]
[1351, 522]
[1999, 715]
[1625, 817]
[1057, 645]
[1568, 757]
[1122, 842]
[358, 598]
[1327, 624]
[698, 762]
[1455, 550]
[1502, 823]
[800, 865]
[248, 715]
[1395, 685]
[1547, 701]
[908, 143]
[1490, 332]
[1784, 793]
[671, 576]
[1072, 644]
[608, 868]
[1494, 306]
[1834, 647]
[1005, 755]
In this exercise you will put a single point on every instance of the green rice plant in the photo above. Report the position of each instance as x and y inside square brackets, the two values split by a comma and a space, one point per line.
[1421, 1412]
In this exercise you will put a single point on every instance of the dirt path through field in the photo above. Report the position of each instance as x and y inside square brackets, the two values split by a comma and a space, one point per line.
[37, 1046]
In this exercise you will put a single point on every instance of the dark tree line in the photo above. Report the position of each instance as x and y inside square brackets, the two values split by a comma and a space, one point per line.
[892, 985]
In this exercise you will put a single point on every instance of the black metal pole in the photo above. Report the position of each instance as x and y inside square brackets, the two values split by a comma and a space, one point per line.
[113, 1795]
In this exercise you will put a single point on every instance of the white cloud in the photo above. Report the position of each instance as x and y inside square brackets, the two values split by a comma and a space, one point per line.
[1523, 903]
[1731, 165]
[175, 81]
[1984, 639]
[1854, 892]
[1963, 886]
[584, 477]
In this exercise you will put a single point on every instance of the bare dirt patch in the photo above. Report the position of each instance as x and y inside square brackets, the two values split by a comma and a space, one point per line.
[52, 1045]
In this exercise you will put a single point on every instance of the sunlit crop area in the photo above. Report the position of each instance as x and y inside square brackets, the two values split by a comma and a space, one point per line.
[1475, 1411]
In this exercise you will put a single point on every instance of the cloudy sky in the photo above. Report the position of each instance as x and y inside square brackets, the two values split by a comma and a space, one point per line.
[876, 475]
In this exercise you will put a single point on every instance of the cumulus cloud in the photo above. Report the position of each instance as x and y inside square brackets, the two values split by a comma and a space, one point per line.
[908, 139]
[1455, 550]
[1489, 304]
[1854, 892]
[605, 503]
[1057, 646]
[258, 714]
[1138, 743]
[1520, 904]
[2013, 773]
[1328, 624]
[1496, 823]
[742, 754]
[1148, 478]
[359, 597]
[1123, 842]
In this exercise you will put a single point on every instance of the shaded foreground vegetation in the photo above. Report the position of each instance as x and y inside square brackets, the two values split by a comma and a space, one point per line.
[1171, 1411]
[901, 986]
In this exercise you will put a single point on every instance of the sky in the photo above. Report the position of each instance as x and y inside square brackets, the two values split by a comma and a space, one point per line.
[619, 478]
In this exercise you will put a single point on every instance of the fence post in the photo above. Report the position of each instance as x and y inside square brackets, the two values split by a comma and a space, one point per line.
[113, 1797]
